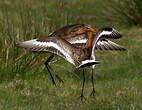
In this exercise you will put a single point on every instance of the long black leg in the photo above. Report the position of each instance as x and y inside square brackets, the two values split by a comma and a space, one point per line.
[47, 66]
[49, 59]
[51, 75]
[82, 96]
[60, 79]
[93, 93]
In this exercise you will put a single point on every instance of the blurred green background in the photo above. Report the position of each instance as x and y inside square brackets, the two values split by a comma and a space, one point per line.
[24, 81]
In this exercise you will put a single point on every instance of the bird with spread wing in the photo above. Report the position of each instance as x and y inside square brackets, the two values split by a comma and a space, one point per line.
[77, 44]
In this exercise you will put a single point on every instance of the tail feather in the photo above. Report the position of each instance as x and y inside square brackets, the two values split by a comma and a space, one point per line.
[87, 63]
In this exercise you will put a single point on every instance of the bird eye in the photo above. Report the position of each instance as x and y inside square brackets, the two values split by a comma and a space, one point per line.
[87, 27]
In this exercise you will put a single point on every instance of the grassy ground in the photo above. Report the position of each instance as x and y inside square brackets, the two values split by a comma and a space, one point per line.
[24, 81]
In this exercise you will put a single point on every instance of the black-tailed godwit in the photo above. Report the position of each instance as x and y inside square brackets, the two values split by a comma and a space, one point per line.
[79, 57]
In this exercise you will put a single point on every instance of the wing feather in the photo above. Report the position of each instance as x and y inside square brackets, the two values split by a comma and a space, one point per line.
[35, 45]
[111, 33]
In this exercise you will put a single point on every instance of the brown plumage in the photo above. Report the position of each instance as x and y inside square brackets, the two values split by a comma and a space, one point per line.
[69, 49]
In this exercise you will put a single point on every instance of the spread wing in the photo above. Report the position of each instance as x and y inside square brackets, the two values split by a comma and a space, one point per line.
[47, 46]
[102, 44]
[54, 45]
[108, 32]
[80, 40]
[105, 44]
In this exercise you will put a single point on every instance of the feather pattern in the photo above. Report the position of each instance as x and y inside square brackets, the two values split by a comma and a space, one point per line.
[64, 31]
[68, 47]
[52, 44]
[110, 33]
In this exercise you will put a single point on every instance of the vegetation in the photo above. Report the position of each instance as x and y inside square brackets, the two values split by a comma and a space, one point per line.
[128, 12]
[24, 81]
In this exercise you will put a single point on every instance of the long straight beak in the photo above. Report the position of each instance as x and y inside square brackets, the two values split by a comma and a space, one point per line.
[93, 30]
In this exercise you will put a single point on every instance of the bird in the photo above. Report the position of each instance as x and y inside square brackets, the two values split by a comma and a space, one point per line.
[79, 57]
[80, 35]
[77, 34]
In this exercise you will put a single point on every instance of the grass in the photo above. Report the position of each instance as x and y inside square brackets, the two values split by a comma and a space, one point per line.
[24, 81]
[127, 12]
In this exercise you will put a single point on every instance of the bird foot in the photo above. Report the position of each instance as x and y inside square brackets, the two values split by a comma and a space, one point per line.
[93, 93]
[54, 83]
[82, 98]
[60, 79]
